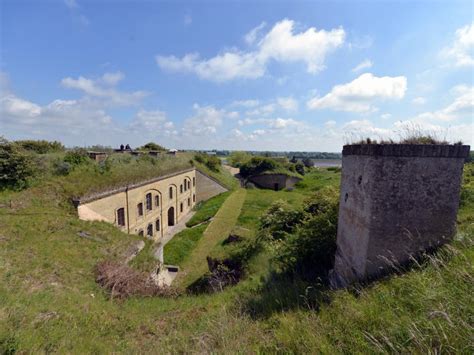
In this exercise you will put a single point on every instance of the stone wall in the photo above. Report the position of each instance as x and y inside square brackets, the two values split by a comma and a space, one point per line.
[396, 202]
[104, 206]
[274, 181]
[207, 187]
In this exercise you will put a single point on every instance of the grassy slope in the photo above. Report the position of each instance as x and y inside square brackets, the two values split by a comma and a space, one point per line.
[207, 209]
[219, 228]
[50, 302]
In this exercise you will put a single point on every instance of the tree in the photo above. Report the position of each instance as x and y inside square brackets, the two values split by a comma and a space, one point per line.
[299, 167]
[257, 165]
[16, 166]
[308, 162]
[152, 146]
[236, 159]
[294, 160]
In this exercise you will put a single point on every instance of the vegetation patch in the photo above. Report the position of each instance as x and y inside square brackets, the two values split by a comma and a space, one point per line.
[121, 281]
[205, 210]
[182, 244]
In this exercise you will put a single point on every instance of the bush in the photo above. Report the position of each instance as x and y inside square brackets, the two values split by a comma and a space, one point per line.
[236, 159]
[16, 166]
[40, 146]
[257, 165]
[62, 168]
[152, 146]
[76, 157]
[303, 243]
[299, 167]
[211, 161]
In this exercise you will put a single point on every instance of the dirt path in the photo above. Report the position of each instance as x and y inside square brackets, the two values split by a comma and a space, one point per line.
[220, 227]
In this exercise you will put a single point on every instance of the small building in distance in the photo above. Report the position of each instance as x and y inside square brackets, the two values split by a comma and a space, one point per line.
[274, 181]
[152, 207]
[97, 156]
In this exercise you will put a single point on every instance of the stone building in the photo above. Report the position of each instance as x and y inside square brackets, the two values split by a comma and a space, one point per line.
[151, 207]
[397, 201]
[274, 181]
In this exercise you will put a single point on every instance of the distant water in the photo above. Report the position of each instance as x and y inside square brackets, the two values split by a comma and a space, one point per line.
[326, 163]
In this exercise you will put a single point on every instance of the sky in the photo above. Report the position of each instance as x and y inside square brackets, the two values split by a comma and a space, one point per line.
[239, 75]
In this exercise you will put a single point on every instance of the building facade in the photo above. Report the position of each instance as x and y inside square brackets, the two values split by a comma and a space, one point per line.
[149, 208]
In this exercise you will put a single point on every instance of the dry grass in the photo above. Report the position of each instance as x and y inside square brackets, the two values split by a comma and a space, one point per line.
[121, 281]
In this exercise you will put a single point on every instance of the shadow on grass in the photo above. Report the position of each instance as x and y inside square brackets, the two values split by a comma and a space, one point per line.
[282, 292]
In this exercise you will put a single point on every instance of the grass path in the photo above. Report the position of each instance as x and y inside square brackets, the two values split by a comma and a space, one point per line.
[219, 229]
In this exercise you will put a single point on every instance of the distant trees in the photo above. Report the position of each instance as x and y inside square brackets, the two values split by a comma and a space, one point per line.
[308, 162]
[237, 158]
[16, 165]
[152, 146]
[257, 165]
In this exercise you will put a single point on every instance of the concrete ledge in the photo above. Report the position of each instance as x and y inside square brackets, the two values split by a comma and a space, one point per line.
[408, 150]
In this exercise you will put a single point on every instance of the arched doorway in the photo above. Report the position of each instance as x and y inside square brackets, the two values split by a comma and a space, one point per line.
[171, 216]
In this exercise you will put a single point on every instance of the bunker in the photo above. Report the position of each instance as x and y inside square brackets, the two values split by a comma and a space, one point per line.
[397, 201]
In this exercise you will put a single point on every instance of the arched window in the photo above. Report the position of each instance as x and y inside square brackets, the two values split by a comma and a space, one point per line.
[194, 197]
[140, 209]
[157, 225]
[189, 202]
[185, 185]
[189, 184]
[171, 192]
[181, 188]
[121, 217]
[149, 230]
[181, 207]
[157, 200]
[194, 181]
[148, 200]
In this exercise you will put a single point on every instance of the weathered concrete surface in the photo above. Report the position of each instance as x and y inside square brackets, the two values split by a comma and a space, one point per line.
[396, 202]
[274, 181]
[207, 187]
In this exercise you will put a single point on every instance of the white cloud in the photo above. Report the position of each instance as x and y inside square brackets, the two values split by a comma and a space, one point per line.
[419, 100]
[330, 124]
[280, 44]
[263, 110]
[252, 35]
[281, 123]
[461, 51]
[205, 121]
[152, 123]
[386, 116]
[104, 89]
[288, 103]
[461, 107]
[363, 65]
[360, 94]
[246, 103]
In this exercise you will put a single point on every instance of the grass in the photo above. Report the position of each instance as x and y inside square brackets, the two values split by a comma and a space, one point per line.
[49, 301]
[182, 244]
[207, 209]
[219, 228]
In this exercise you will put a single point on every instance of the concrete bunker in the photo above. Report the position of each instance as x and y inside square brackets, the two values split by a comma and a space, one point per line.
[396, 202]
[274, 181]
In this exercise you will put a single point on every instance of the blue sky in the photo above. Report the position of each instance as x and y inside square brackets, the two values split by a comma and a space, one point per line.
[235, 74]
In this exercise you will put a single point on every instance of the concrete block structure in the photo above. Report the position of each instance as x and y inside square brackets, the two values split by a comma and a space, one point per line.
[151, 207]
[274, 181]
[397, 201]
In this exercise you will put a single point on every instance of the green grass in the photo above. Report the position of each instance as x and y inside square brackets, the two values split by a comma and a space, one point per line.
[49, 301]
[182, 244]
[145, 260]
[219, 229]
[205, 210]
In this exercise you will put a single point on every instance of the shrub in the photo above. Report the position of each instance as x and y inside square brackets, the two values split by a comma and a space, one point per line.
[308, 162]
[16, 166]
[299, 167]
[303, 242]
[236, 159]
[40, 146]
[152, 146]
[213, 163]
[76, 157]
[62, 168]
[257, 165]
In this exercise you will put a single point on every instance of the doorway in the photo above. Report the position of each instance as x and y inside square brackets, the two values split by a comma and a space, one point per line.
[171, 216]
